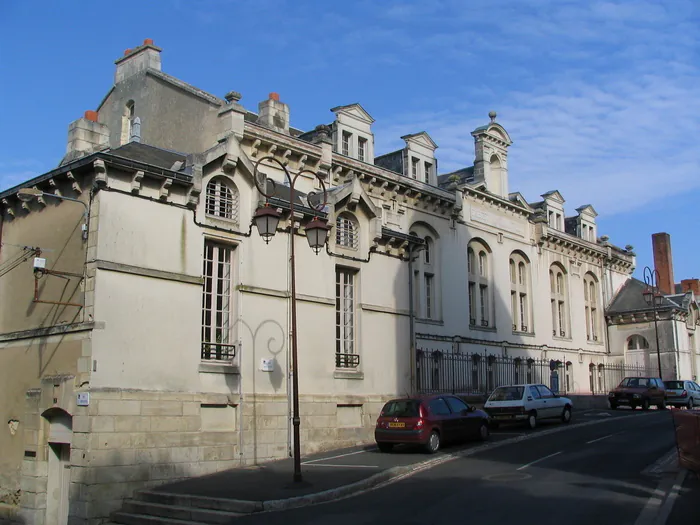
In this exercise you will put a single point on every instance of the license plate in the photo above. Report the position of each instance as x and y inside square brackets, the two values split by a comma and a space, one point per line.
[397, 425]
[501, 417]
[623, 400]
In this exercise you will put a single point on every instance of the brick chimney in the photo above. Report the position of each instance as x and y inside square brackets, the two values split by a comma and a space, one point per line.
[145, 56]
[274, 114]
[663, 262]
[691, 285]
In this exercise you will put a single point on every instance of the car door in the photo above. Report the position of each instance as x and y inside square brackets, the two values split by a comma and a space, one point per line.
[441, 411]
[657, 391]
[533, 401]
[465, 424]
[696, 393]
[550, 402]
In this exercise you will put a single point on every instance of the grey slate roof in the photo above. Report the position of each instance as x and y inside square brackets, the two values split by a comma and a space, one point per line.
[466, 175]
[630, 299]
[159, 157]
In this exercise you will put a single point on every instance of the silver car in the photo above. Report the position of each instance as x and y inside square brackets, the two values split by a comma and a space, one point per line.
[682, 393]
[527, 403]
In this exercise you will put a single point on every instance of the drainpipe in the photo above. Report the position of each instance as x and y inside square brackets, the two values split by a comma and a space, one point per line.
[412, 315]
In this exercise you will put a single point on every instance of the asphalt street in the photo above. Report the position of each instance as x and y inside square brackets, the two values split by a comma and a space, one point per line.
[587, 475]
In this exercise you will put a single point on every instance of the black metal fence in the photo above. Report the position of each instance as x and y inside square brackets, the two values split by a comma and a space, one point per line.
[447, 372]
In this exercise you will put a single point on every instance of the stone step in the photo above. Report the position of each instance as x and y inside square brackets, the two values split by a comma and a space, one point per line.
[197, 514]
[200, 502]
[126, 518]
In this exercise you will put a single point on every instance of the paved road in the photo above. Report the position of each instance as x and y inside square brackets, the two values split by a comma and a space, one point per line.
[589, 475]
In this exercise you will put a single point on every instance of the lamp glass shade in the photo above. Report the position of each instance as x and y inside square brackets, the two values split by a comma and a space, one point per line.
[316, 234]
[28, 194]
[659, 299]
[648, 296]
[266, 220]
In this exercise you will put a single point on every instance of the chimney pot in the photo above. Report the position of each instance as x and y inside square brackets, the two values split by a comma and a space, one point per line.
[127, 51]
[91, 115]
[148, 42]
[275, 97]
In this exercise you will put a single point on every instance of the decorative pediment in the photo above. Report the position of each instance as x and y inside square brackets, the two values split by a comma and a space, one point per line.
[422, 139]
[553, 195]
[355, 111]
[518, 198]
[587, 209]
[353, 194]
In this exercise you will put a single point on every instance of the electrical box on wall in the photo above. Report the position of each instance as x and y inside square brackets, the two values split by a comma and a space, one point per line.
[39, 263]
[267, 364]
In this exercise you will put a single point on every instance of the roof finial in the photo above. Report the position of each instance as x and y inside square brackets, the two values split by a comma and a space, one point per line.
[492, 116]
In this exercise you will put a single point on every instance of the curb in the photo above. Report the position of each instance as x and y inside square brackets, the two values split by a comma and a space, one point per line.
[381, 479]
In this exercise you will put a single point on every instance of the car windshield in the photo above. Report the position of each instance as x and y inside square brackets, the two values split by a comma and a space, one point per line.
[635, 382]
[507, 393]
[401, 408]
[674, 385]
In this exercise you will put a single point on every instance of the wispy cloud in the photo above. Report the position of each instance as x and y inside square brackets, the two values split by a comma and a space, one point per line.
[15, 172]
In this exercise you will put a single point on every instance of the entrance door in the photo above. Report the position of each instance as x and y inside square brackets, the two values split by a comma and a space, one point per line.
[58, 483]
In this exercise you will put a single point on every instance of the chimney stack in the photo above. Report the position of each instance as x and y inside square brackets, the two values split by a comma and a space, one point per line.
[691, 285]
[85, 135]
[145, 56]
[663, 262]
[274, 114]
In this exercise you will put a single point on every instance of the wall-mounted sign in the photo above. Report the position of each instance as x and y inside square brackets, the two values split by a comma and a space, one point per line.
[267, 364]
[83, 399]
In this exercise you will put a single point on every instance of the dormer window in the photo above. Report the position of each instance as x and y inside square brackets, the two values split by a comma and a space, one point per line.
[222, 199]
[428, 169]
[346, 143]
[361, 149]
[414, 167]
[346, 232]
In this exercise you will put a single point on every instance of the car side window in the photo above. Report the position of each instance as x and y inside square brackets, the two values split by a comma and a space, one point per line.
[456, 404]
[534, 392]
[545, 393]
[439, 407]
[697, 387]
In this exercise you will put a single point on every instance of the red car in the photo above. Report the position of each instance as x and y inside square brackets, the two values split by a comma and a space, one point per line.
[429, 421]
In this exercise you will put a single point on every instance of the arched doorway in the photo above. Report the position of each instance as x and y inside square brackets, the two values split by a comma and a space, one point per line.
[59, 440]
[637, 351]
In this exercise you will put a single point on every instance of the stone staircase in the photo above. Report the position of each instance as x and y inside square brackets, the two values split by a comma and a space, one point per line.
[159, 508]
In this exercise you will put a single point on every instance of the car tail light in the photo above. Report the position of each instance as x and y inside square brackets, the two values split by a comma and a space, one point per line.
[685, 393]
[419, 424]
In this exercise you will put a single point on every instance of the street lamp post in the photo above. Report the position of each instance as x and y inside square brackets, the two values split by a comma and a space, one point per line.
[266, 220]
[653, 298]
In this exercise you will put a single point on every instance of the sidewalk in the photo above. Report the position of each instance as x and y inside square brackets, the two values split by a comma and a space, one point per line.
[686, 509]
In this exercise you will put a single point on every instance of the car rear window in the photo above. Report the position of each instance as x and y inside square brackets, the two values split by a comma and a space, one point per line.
[507, 393]
[636, 382]
[674, 385]
[401, 408]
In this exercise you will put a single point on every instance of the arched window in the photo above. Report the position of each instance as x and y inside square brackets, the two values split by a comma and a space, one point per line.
[127, 121]
[557, 279]
[637, 342]
[346, 234]
[590, 299]
[479, 286]
[222, 199]
[426, 274]
[520, 293]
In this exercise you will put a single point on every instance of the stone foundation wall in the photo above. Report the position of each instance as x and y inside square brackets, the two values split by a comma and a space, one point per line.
[125, 441]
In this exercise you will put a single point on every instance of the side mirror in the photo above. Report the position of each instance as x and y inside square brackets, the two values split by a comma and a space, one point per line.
[472, 408]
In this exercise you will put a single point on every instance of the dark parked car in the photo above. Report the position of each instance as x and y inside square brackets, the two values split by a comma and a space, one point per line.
[639, 392]
[429, 421]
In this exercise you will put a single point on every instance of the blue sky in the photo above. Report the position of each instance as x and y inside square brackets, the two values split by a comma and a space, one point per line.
[601, 98]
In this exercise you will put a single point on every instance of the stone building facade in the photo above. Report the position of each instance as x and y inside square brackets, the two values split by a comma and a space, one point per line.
[145, 328]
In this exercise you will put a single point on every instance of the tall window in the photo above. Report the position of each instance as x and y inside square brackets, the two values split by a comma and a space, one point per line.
[590, 299]
[557, 283]
[426, 275]
[346, 143]
[427, 257]
[428, 170]
[217, 303]
[346, 234]
[414, 168]
[222, 199]
[428, 296]
[479, 289]
[361, 148]
[520, 293]
[345, 318]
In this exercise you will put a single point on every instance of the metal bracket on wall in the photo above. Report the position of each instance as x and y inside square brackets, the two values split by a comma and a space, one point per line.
[38, 274]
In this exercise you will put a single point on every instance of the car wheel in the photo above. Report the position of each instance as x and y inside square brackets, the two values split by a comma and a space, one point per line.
[532, 420]
[433, 444]
[484, 432]
[645, 404]
[566, 415]
[613, 406]
[690, 404]
[385, 447]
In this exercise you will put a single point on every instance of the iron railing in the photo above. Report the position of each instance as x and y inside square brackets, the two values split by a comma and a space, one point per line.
[463, 373]
[218, 352]
[347, 360]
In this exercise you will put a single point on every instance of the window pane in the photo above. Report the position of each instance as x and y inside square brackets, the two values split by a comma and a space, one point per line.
[439, 407]
[534, 393]
[456, 404]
